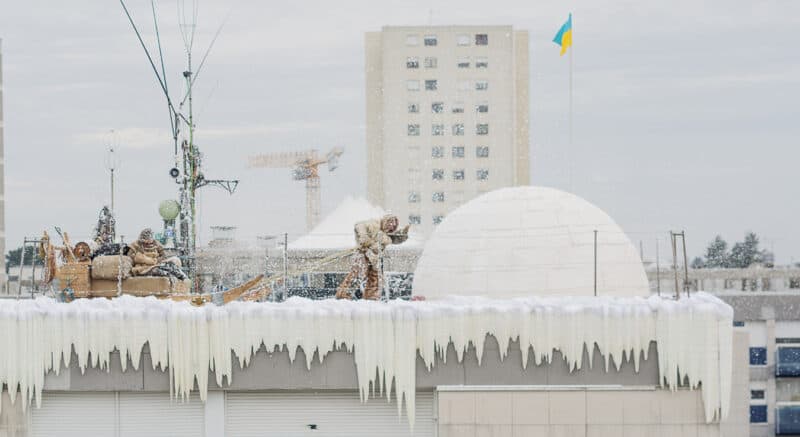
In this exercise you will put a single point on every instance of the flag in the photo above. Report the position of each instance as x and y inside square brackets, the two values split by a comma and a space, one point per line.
[564, 36]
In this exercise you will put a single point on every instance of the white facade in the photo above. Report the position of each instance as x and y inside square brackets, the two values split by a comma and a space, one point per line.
[2, 183]
[447, 117]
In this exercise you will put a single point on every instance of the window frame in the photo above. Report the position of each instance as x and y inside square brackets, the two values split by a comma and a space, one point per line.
[482, 129]
[435, 105]
[458, 129]
[457, 152]
[481, 39]
[437, 152]
[478, 153]
[437, 174]
[413, 108]
[482, 174]
[431, 85]
[412, 85]
[438, 197]
[431, 62]
[413, 130]
[412, 62]
[757, 355]
[463, 40]
[437, 129]
[426, 39]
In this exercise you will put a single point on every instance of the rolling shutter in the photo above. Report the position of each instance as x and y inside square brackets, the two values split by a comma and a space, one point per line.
[75, 415]
[332, 413]
[157, 414]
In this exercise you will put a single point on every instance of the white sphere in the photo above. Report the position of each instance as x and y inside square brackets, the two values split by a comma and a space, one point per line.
[528, 241]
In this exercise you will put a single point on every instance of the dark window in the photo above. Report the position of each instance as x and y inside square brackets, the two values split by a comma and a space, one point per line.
[482, 174]
[437, 129]
[430, 40]
[413, 130]
[437, 107]
[412, 63]
[482, 108]
[413, 197]
[756, 394]
[787, 340]
[738, 323]
[413, 108]
[481, 39]
[458, 108]
[458, 152]
[438, 196]
[437, 152]
[437, 174]
[758, 356]
[758, 414]
[463, 62]
[481, 85]
[788, 361]
[414, 219]
[481, 62]
[458, 129]
[482, 151]
[458, 175]
[787, 419]
[437, 219]
[794, 283]
[431, 85]
[482, 129]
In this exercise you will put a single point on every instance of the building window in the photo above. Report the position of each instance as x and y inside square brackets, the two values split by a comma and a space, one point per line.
[412, 63]
[481, 62]
[437, 107]
[788, 361]
[431, 62]
[787, 420]
[430, 40]
[437, 152]
[431, 85]
[482, 174]
[756, 394]
[758, 356]
[412, 85]
[481, 39]
[437, 219]
[414, 219]
[413, 130]
[458, 107]
[482, 107]
[758, 414]
[412, 40]
[413, 108]
[458, 129]
[413, 197]
[458, 151]
[458, 175]
[482, 129]
[463, 40]
[794, 283]
[738, 323]
[482, 151]
[437, 130]
[437, 174]
[463, 62]
[438, 196]
[481, 85]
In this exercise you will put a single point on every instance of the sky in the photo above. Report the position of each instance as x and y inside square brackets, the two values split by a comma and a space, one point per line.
[685, 112]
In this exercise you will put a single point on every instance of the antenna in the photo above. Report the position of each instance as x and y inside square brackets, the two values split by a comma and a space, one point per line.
[112, 162]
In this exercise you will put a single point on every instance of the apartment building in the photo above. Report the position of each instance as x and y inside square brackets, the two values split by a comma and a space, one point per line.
[447, 117]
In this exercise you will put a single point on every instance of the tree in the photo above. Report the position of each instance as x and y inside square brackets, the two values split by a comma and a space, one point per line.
[746, 253]
[14, 257]
[717, 254]
[698, 262]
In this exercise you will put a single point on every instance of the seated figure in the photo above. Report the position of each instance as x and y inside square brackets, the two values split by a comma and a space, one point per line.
[149, 259]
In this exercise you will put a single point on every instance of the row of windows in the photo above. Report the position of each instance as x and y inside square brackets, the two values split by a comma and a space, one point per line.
[457, 129]
[412, 62]
[415, 219]
[433, 85]
[437, 174]
[458, 151]
[456, 108]
[481, 39]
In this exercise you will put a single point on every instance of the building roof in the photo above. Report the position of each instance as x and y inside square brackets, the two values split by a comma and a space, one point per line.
[525, 241]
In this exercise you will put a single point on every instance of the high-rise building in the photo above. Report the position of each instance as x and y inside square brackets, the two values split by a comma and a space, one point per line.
[447, 117]
[2, 184]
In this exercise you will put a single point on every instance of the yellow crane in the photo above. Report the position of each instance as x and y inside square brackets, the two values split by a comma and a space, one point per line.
[305, 165]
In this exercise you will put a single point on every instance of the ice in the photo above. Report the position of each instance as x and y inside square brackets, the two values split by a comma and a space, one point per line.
[693, 337]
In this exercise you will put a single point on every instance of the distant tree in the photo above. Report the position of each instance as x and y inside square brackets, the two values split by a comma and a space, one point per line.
[14, 256]
[717, 254]
[698, 263]
[746, 253]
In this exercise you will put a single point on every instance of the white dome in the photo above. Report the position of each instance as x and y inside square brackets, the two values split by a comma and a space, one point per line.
[525, 241]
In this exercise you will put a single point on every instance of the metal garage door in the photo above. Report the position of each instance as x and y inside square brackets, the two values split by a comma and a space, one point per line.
[116, 415]
[75, 415]
[287, 414]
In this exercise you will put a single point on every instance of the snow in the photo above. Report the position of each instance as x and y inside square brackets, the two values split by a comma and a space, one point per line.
[693, 337]
[335, 231]
[519, 241]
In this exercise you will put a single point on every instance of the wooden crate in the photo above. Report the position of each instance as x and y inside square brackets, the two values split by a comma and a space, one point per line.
[75, 275]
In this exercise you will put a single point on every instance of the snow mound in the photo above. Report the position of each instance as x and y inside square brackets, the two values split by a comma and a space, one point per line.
[525, 241]
[693, 337]
[335, 231]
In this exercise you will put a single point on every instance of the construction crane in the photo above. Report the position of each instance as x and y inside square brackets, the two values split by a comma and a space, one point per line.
[305, 165]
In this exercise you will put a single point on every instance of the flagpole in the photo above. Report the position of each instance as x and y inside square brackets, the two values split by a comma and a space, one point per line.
[569, 153]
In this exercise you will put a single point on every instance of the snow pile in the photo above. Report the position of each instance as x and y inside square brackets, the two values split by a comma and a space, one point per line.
[519, 241]
[335, 231]
[693, 337]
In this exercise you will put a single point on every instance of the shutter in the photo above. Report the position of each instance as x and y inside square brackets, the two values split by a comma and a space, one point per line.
[334, 414]
[157, 414]
[74, 414]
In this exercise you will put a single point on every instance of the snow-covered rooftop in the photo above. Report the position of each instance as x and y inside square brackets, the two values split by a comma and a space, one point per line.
[525, 241]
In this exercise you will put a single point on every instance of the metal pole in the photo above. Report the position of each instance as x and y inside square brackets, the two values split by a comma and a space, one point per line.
[595, 262]
[112, 191]
[658, 271]
[285, 265]
[685, 264]
[34, 286]
[675, 263]
[569, 154]
[21, 265]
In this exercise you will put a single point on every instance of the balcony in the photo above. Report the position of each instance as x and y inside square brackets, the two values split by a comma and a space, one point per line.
[787, 362]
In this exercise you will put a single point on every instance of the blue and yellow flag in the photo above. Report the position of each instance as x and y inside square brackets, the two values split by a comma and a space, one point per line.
[564, 36]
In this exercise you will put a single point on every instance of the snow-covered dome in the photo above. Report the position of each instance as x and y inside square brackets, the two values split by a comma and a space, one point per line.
[525, 241]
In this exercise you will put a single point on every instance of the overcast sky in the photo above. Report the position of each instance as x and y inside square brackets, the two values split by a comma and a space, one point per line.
[686, 112]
